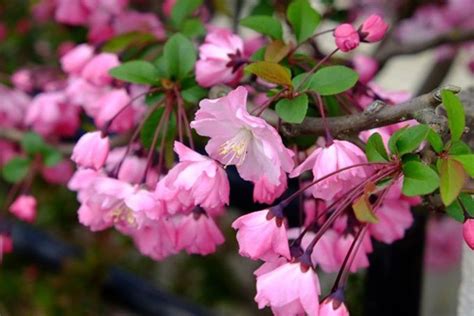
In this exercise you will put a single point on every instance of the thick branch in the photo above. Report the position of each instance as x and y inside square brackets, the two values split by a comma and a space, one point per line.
[394, 48]
[378, 114]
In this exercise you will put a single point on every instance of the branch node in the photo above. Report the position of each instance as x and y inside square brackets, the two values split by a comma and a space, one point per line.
[374, 107]
[449, 87]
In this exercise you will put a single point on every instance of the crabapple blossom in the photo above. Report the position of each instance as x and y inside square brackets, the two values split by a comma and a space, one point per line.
[262, 235]
[91, 150]
[290, 289]
[444, 239]
[266, 192]
[24, 207]
[468, 232]
[366, 67]
[115, 105]
[96, 71]
[346, 37]
[332, 307]
[74, 61]
[156, 239]
[373, 29]
[195, 180]
[240, 139]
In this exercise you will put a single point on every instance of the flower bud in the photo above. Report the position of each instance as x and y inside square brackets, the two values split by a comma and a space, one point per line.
[347, 37]
[373, 29]
[91, 150]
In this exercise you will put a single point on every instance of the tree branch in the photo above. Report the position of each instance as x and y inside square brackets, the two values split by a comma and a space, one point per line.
[394, 48]
[378, 114]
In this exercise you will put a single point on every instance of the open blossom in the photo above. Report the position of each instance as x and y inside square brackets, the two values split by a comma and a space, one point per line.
[156, 239]
[91, 150]
[24, 207]
[97, 69]
[220, 58]
[373, 29]
[468, 232]
[290, 289]
[115, 105]
[326, 160]
[394, 218]
[72, 12]
[195, 180]
[197, 233]
[240, 139]
[266, 192]
[13, 105]
[130, 21]
[346, 37]
[74, 61]
[262, 235]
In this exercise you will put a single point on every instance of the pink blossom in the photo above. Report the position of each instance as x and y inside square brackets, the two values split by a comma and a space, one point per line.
[195, 180]
[220, 58]
[198, 234]
[91, 150]
[58, 174]
[81, 182]
[8, 150]
[326, 160]
[373, 29]
[290, 289]
[167, 6]
[22, 80]
[394, 218]
[347, 37]
[443, 248]
[130, 21]
[108, 6]
[266, 192]
[331, 307]
[24, 207]
[156, 239]
[71, 12]
[13, 106]
[6, 244]
[115, 105]
[262, 235]
[468, 232]
[97, 69]
[366, 67]
[43, 10]
[75, 60]
[238, 138]
[82, 93]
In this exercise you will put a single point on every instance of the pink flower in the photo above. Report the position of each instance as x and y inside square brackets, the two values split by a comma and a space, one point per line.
[366, 67]
[198, 234]
[373, 29]
[82, 93]
[394, 218]
[331, 307]
[468, 232]
[22, 80]
[326, 160]
[238, 138]
[97, 69]
[13, 106]
[347, 37]
[24, 207]
[58, 174]
[75, 60]
[220, 58]
[71, 12]
[91, 150]
[156, 239]
[167, 6]
[266, 192]
[110, 105]
[262, 235]
[6, 244]
[195, 180]
[81, 182]
[290, 289]
[444, 244]
[130, 21]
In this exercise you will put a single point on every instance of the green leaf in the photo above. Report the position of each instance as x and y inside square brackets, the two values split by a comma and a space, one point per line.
[194, 94]
[193, 27]
[333, 80]
[467, 162]
[297, 80]
[435, 141]
[16, 169]
[179, 57]
[136, 71]
[392, 142]
[32, 143]
[419, 179]
[303, 18]
[458, 147]
[123, 41]
[148, 130]
[467, 203]
[264, 24]
[455, 211]
[259, 55]
[332, 105]
[51, 156]
[363, 210]
[276, 51]
[271, 72]
[452, 179]
[293, 110]
[375, 149]
[411, 138]
[456, 115]
[182, 9]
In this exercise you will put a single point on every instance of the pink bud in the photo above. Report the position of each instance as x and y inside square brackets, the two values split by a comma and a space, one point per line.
[468, 232]
[91, 150]
[74, 60]
[373, 29]
[347, 37]
[330, 307]
[24, 207]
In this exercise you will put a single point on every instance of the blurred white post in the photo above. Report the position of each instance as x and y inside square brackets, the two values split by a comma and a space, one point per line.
[466, 292]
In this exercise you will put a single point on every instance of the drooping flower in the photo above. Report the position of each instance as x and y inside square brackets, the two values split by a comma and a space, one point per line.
[115, 105]
[91, 150]
[394, 217]
[290, 289]
[262, 235]
[24, 207]
[332, 307]
[195, 180]
[373, 29]
[266, 192]
[220, 58]
[240, 139]
[156, 239]
[197, 233]
[326, 160]
[468, 232]
[346, 37]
